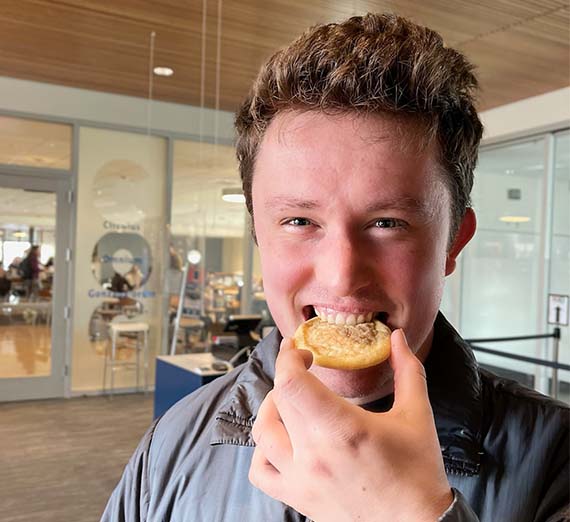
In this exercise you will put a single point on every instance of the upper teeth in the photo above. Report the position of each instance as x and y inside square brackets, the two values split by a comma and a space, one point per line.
[333, 317]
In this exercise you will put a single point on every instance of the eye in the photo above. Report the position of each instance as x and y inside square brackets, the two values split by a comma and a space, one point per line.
[389, 223]
[298, 222]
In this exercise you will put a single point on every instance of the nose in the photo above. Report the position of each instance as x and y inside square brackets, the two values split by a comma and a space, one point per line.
[343, 266]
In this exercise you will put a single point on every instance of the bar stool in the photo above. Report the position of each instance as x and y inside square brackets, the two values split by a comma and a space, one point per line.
[122, 325]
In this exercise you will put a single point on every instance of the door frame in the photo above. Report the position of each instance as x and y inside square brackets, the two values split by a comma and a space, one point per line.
[59, 182]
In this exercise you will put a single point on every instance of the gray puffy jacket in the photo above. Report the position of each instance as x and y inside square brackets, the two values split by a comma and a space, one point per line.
[505, 447]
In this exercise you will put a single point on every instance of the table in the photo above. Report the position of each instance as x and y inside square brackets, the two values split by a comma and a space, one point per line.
[180, 375]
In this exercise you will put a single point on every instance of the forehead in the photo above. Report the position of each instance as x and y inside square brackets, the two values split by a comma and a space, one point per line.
[373, 149]
[295, 127]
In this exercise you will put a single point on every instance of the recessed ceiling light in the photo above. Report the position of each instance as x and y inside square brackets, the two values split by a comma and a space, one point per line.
[163, 71]
[514, 219]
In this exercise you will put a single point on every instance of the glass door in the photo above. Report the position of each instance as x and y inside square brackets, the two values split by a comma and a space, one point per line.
[35, 228]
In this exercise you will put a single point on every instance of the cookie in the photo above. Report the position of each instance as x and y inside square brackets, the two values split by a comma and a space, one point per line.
[344, 347]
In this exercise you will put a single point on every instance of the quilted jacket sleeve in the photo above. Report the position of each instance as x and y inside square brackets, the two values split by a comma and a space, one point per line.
[130, 498]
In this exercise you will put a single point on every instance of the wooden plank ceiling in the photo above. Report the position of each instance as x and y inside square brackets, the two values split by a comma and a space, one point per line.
[521, 47]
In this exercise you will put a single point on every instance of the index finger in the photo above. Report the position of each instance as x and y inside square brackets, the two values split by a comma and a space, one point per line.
[301, 398]
[290, 359]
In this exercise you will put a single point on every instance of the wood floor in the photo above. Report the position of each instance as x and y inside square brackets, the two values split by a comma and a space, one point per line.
[25, 350]
[61, 459]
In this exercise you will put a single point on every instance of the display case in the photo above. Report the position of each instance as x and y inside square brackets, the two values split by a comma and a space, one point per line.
[222, 295]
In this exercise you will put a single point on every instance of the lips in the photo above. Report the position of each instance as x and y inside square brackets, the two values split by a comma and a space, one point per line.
[343, 317]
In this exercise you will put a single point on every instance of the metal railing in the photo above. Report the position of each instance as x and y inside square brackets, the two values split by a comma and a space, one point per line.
[554, 364]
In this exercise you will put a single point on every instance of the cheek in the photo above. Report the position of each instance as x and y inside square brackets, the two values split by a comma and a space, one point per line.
[417, 274]
[284, 275]
[416, 286]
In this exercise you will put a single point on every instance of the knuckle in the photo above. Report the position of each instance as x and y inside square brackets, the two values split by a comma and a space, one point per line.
[355, 439]
[352, 432]
[286, 386]
[318, 467]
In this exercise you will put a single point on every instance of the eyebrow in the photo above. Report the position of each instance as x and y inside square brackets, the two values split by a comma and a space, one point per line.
[286, 203]
[405, 204]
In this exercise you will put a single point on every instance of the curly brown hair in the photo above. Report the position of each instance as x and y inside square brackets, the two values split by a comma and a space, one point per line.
[372, 64]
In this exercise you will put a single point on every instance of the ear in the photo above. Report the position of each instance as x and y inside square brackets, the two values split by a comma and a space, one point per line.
[462, 237]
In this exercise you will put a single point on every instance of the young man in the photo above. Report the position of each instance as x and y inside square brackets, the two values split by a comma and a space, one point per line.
[357, 147]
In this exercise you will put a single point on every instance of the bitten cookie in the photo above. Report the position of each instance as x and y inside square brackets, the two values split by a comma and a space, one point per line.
[344, 347]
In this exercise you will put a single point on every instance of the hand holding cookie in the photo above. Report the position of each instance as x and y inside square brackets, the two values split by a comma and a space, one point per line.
[334, 461]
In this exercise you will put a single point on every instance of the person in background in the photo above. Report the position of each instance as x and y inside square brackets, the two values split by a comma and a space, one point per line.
[13, 268]
[357, 147]
[49, 266]
[175, 259]
[5, 283]
[47, 274]
[119, 283]
[134, 276]
[29, 270]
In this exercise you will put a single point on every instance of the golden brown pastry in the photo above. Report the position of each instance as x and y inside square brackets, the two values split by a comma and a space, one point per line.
[344, 347]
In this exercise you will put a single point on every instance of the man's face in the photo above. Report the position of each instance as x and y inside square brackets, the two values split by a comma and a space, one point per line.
[351, 220]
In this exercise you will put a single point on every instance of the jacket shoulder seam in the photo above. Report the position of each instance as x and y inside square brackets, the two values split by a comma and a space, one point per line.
[501, 385]
[146, 498]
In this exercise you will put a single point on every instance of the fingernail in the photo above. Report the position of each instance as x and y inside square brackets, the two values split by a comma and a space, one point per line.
[404, 335]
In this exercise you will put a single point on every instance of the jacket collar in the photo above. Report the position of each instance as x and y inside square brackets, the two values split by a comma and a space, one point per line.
[452, 372]
[235, 416]
[455, 392]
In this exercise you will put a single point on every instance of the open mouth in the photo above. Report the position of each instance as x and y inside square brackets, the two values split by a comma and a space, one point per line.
[333, 317]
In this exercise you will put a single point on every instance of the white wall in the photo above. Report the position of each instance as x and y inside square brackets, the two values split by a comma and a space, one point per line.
[68, 102]
[545, 112]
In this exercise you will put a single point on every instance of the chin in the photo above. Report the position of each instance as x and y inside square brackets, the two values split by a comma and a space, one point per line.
[353, 384]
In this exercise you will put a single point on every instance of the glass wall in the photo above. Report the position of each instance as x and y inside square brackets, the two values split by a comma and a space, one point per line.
[26, 282]
[208, 237]
[560, 255]
[513, 263]
[120, 247]
[502, 266]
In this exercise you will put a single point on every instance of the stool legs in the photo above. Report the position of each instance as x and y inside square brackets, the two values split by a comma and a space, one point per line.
[138, 349]
[106, 355]
[110, 359]
[113, 357]
[145, 359]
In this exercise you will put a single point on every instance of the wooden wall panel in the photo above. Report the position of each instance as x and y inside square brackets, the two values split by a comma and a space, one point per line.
[521, 47]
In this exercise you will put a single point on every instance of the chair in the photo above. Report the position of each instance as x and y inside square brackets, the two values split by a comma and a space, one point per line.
[122, 325]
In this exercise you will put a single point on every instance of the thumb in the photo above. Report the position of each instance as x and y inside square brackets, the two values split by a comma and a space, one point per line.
[410, 385]
[288, 350]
